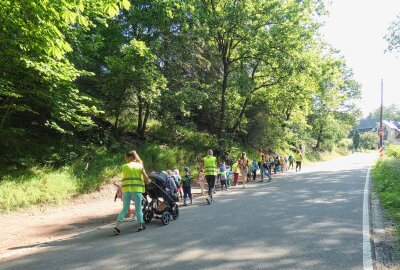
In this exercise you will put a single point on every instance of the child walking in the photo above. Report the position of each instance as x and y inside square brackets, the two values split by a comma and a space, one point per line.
[201, 179]
[253, 169]
[235, 170]
[186, 185]
[277, 165]
[177, 178]
[222, 176]
[228, 176]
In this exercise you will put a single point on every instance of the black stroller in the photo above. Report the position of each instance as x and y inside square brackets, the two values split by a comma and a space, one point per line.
[160, 199]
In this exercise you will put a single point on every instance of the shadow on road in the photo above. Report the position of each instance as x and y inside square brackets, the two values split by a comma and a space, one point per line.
[298, 221]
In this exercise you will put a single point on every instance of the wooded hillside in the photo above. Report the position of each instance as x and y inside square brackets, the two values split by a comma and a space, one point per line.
[98, 73]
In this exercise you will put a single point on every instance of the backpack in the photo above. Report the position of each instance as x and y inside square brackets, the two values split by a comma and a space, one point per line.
[242, 164]
[177, 184]
[222, 168]
[186, 181]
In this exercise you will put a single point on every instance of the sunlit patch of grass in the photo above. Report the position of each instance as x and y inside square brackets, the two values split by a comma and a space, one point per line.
[386, 177]
[41, 186]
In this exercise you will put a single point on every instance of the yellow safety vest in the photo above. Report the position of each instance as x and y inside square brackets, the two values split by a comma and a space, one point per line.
[235, 168]
[261, 158]
[132, 180]
[297, 156]
[209, 165]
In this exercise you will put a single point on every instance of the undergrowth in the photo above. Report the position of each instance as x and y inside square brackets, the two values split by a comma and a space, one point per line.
[386, 177]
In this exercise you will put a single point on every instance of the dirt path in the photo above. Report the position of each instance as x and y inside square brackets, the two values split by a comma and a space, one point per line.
[27, 229]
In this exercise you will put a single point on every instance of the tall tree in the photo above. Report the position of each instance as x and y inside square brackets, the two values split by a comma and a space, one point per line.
[393, 37]
[134, 79]
[37, 87]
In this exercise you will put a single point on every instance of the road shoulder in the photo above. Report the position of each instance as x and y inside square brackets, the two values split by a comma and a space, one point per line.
[383, 236]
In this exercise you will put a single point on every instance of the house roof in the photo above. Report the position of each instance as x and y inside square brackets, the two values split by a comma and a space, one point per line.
[396, 123]
[389, 124]
[368, 123]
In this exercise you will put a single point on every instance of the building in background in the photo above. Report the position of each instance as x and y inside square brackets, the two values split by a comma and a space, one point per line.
[391, 129]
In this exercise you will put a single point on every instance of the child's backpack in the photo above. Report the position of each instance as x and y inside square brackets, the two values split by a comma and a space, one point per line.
[170, 183]
[276, 162]
[253, 166]
[222, 168]
[186, 181]
[176, 180]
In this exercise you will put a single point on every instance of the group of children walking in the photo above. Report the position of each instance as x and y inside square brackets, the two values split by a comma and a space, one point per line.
[228, 176]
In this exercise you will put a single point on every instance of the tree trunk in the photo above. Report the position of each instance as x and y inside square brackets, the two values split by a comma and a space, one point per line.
[116, 123]
[146, 118]
[319, 139]
[221, 130]
[140, 115]
[237, 124]
[117, 115]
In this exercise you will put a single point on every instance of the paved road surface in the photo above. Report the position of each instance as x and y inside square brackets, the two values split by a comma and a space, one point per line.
[310, 220]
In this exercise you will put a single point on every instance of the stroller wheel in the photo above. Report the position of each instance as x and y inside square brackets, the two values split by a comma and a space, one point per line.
[165, 218]
[175, 213]
[147, 216]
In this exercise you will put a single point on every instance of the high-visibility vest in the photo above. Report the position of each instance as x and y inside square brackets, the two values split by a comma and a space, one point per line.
[261, 157]
[235, 168]
[297, 156]
[209, 165]
[132, 180]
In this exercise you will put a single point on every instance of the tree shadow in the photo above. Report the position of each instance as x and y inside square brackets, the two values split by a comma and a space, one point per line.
[305, 221]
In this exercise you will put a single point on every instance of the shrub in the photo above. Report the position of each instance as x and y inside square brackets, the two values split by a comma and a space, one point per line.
[393, 151]
[368, 141]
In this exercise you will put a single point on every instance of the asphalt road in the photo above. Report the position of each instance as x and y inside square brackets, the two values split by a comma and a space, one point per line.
[307, 220]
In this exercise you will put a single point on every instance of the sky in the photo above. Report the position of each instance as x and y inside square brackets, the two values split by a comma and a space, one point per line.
[357, 29]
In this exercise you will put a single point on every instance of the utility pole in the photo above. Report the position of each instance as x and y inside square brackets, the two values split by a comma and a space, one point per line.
[381, 124]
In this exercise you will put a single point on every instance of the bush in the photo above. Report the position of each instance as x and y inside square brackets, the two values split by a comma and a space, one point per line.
[368, 141]
[386, 176]
[393, 151]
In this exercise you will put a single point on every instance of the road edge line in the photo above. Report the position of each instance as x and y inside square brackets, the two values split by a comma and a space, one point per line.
[367, 245]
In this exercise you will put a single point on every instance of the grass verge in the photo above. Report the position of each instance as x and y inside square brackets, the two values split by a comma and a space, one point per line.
[386, 177]
[92, 166]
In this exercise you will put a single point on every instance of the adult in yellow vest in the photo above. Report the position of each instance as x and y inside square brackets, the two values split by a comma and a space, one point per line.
[133, 185]
[210, 172]
[299, 158]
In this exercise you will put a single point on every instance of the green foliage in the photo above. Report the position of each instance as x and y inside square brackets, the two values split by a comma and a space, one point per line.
[37, 89]
[368, 141]
[386, 177]
[391, 112]
[393, 37]
[393, 151]
[36, 186]
[83, 81]
[134, 80]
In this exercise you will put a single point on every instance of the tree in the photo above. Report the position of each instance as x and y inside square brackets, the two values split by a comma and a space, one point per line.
[333, 113]
[134, 80]
[356, 140]
[368, 141]
[256, 43]
[37, 84]
[393, 37]
[391, 112]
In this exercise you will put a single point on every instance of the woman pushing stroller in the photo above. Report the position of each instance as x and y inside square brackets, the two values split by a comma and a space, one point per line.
[133, 185]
